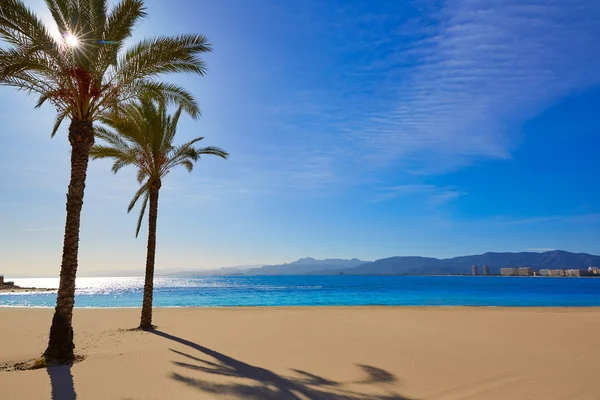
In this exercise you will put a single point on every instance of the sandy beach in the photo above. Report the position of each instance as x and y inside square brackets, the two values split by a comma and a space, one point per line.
[312, 353]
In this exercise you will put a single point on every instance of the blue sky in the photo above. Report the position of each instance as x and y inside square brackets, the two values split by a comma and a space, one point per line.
[356, 129]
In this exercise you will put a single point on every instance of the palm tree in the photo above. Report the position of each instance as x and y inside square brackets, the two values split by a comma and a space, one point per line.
[141, 134]
[84, 73]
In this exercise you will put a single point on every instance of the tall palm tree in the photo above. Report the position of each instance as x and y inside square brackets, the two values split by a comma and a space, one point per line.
[83, 73]
[141, 134]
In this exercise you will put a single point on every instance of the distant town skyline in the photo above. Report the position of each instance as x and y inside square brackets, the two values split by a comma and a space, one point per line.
[360, 129]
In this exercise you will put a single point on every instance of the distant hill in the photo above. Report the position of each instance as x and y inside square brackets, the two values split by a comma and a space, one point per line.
[306, 266]
[462, 265]
[410, 265]
[241, 270]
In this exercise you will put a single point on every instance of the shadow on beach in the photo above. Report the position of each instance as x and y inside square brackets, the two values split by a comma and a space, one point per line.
[61, 381]
[268, 385]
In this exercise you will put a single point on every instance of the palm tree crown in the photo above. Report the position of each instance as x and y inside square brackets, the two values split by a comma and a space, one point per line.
[141, 134]
[82, 73]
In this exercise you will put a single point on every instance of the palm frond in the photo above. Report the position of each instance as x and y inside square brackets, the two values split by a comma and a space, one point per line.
[59, 119]
[112, 138]
[171, 129]
[118, 27]
[121, 157]
[61, 11]
[98, 12]
[117, 165]
[31, 84]
[188, 165]
[163, 54]
[185, 153]
[15, 61]
[141, 217]
[19, 26]
[42, 99]
[122, 19]
[144, 189]
[173, 94]
[141, 175]
[215, 151]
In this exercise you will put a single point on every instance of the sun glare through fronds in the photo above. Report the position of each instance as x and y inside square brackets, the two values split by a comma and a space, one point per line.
[71, 40]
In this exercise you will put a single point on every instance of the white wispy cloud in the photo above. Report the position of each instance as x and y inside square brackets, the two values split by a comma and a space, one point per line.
[392, 192]
[573, 219]
[481, 68]
[540, 249]
[442, 198]
[433, 93]
[435, 196]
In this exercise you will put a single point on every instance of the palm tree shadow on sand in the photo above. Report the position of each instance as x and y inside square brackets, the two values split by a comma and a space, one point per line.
[268, 385]
[61, 381]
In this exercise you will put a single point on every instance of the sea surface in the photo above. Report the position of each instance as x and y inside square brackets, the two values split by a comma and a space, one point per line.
[318, 291]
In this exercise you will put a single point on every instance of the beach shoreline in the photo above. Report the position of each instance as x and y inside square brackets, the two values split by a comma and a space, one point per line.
[19, 289]
[370, 352]
[333, 307]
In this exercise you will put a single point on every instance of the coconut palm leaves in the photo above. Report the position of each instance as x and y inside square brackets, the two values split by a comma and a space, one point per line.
[141, 134]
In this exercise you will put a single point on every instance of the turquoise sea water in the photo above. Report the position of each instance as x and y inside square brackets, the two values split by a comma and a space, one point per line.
[318, 291]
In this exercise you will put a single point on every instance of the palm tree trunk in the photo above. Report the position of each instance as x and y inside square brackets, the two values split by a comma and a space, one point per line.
[60, 344]
[146, 320]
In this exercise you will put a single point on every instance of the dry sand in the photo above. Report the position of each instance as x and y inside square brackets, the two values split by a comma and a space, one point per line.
[312, 353]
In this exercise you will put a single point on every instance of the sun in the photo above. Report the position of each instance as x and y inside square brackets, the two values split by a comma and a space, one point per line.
[72, 40]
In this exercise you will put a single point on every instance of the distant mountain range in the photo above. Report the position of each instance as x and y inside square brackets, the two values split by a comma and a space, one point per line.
[413, 265]
[306, 266]
[430, 266]
[462, 265]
